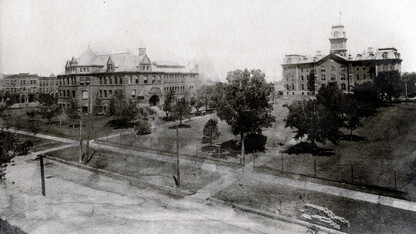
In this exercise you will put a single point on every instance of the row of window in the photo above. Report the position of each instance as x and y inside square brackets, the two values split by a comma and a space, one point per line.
[292, 87]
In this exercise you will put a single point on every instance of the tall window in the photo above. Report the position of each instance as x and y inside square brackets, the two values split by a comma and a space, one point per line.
[133, 93]
[363, 76]
[322, 77]
[145, 79]
[84, 94]
[358, 76]
[343, 87]
[333, 77]
[342, 76]
[303, 86]
[301, 77]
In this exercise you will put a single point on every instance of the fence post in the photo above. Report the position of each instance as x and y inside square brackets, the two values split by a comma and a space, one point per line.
[352, 173]
[42, 174]
[314, 167]
[395, 180]
[282, 163]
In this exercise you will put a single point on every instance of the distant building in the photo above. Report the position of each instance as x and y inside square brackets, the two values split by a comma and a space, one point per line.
[338, 66]
[29, 85]
[139, 78]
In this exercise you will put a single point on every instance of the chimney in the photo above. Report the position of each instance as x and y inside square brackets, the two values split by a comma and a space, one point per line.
[142, 49]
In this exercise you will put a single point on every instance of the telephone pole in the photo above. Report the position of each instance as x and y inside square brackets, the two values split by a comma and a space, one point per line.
[88, 122]
[178, 172]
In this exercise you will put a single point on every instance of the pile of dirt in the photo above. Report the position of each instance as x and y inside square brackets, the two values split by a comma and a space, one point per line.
[323, 216]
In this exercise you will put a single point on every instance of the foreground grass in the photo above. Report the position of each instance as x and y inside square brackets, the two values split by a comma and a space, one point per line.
[151, 171]
[17, 118]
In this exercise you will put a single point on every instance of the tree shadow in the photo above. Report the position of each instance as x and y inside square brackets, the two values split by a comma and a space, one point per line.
[180, 126]
[119, 123]
[309, 148]
[347, 137]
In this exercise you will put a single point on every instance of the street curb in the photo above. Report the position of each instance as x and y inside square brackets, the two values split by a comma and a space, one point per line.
[174, 191]
[277, 216]
[188, 193]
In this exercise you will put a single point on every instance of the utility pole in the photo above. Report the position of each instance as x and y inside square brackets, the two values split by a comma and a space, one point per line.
[80, 138]
[88, 121]
[178, 172]
[42, 174]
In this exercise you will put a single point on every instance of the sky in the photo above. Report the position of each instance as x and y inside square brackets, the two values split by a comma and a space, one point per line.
[38, 36]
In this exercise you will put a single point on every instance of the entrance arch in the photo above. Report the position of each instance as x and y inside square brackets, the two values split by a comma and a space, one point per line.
[154, 100]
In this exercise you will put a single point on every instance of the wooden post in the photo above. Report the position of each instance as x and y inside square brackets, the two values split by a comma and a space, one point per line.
[80, 139]
[395, 180]
[178, 172]
[42, 174]
[88, 124]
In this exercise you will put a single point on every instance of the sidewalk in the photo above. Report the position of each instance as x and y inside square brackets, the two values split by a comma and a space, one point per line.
[80, 201]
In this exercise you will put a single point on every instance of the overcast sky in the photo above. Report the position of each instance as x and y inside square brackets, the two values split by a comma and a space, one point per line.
[38, 36]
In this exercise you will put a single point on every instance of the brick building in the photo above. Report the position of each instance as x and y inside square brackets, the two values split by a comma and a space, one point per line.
[338, 66]
[140, 79]
[29, 85]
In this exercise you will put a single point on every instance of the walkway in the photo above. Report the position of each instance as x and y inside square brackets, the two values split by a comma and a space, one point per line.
[249, 172]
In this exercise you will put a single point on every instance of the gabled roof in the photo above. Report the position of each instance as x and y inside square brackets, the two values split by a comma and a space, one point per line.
[334, 57]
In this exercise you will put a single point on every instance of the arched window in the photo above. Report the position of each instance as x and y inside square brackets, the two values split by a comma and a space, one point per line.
[358, 76]
[303, 86]
[333, 77]
[287, 86]
[343, 87]
[342, 76]
[301, 77]
[332, 68]
[322, 77]
[293, 87]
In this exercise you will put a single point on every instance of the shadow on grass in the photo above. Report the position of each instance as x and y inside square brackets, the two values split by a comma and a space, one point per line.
[118, 124]
[180, 126]
[309, 148]
[348, 137]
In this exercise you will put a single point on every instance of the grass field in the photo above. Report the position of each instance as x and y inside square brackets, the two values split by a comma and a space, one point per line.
[151, 171]
[17, 118]
[382, 156]
[363, 217]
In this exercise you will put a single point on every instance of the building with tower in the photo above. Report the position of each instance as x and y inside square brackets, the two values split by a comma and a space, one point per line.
[146, 82]
[305, 75]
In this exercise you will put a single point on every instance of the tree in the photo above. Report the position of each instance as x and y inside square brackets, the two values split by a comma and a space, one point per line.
[98, 107]
[7, 146]
[314, 120]
[210, 132]
[31, 113]
[244, 103]
[311, 80]
[352, 114]
[181, 110]
[366, 97]
[73, 110]
[388, 84]
[46, 99]
[122, 110]
[48, 112]
[409, 80]
[168, 105]
[48, 106]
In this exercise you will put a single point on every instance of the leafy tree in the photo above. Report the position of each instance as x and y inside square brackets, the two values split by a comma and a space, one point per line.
[366, 97]
[46, 99]
[388, 84]
[31, 113]
[168, 105]
[313, 119]
[121, 109]
[142, 127]
[48, 112]
[73, 110]
[98, 106]
[181, 110]
[409, 80]
[311, 80]
[214, 94]
[7, 146]
[352, 114]
[244, 103]
[210, 132]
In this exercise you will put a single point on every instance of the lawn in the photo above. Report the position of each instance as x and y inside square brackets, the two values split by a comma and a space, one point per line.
[363, 217]
[151, 171]
[381, 153]
[17, 118]
[163, 138]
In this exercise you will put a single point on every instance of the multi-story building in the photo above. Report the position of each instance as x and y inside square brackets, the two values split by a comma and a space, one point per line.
[29, 85]
[140, 79]
[338, 66]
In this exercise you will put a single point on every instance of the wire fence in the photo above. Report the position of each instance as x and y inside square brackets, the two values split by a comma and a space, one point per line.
[356, 174]
[187, 147]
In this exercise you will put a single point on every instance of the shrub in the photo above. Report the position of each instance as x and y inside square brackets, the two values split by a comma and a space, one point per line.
[142, 127]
